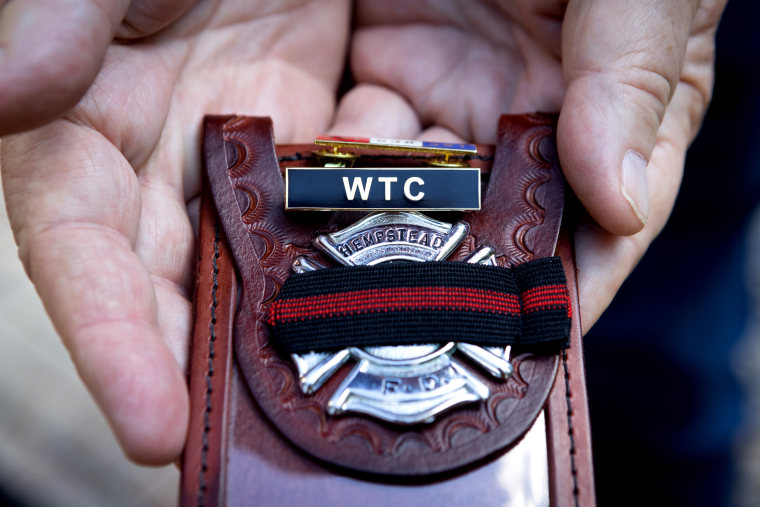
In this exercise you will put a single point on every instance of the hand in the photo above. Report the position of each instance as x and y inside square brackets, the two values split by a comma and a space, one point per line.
[97, 199]
[632, 81]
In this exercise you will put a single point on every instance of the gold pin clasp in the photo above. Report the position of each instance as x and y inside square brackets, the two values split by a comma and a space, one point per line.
[447, 161]
[335, 157]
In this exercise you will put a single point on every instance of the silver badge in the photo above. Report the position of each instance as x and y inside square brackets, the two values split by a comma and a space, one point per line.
[401, 384]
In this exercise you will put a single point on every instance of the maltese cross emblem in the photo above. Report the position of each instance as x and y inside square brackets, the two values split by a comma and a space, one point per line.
[407, 384]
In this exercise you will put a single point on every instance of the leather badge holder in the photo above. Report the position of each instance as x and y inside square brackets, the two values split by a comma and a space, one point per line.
[255, 436]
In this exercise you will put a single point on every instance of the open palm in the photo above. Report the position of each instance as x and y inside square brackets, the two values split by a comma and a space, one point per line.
[97, 199]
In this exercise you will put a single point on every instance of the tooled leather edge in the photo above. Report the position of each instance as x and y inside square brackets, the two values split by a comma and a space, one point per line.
[203, 462]
[567, 419]
[254, 186]
[525, 226]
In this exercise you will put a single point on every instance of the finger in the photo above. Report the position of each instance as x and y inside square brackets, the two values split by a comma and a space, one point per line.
[146, 17]
[622, 61]
[604, 260]
[459, 79]
[542, 18]
[74, 205]
[50, 52]
[370, 110]
[165, 240]
[441, 135]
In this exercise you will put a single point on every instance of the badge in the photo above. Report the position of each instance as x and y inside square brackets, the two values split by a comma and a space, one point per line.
[400, 384]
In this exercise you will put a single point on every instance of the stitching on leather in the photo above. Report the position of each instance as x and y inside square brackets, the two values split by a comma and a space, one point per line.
[211, 355]
[571, 429]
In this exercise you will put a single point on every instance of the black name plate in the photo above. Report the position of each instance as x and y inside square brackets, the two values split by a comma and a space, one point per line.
[323, 188]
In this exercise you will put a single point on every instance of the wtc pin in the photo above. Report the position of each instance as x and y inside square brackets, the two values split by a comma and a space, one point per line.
[446, 184]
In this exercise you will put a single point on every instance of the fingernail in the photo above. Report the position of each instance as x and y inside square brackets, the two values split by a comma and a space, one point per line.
[634, 184]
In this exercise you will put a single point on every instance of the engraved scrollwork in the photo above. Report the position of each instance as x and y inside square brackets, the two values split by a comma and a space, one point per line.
[532, 212]
[408, 438]
[236, 163]
[255, 205]
[362, 431]
[454, 425]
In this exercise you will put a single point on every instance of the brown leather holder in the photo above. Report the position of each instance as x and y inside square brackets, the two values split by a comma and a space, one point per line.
[254, 439]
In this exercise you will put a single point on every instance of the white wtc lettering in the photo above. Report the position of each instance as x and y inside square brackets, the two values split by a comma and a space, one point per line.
[387, 180]
[358, 184]
[364, 185]
[407, 187]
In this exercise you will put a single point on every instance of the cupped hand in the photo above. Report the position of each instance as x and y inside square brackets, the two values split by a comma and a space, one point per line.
[98, 197]
[631, 81]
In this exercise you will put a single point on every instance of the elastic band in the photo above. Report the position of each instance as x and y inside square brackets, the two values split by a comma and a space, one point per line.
[410, 303]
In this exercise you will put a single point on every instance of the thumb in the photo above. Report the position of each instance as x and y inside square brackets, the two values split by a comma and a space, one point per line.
[50, 52]
[622, 61]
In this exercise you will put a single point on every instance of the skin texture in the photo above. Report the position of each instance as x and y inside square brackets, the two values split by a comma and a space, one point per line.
[98, 193]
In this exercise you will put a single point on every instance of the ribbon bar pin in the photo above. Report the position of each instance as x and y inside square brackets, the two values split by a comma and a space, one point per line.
[376, 143]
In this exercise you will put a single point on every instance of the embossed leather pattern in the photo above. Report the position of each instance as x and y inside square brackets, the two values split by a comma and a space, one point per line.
[249, 420]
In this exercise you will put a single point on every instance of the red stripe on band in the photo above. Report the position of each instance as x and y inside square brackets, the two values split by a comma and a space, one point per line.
[545, 297]
[393, 299]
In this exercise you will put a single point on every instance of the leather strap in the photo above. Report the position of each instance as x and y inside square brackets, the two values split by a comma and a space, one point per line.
[211, 376]
[571, 475]
[233, 452]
